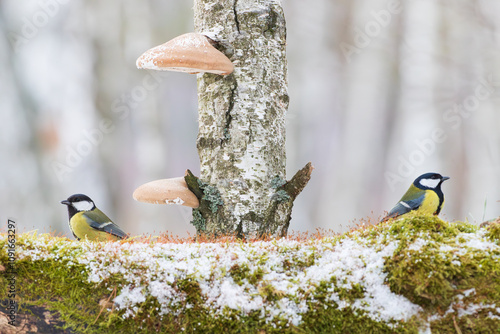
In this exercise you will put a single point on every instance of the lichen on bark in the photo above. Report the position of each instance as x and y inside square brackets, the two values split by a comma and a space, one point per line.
[241, 139]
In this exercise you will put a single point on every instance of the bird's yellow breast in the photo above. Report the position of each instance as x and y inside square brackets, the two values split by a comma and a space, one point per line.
[430, 204]
[80, 227]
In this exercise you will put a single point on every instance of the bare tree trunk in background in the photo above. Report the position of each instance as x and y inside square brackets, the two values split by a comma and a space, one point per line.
[241, 139]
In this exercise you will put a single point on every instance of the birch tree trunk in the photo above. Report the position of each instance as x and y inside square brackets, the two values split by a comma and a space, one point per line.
[241, 139]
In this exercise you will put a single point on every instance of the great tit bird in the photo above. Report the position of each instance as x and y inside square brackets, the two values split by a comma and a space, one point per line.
[424, 196]
[87, 221]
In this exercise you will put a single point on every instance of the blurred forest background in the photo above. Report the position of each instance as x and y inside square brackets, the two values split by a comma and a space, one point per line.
[380, 92]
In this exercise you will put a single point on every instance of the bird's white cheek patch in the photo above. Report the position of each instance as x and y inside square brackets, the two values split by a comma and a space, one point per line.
[430, 183]
[83, 205]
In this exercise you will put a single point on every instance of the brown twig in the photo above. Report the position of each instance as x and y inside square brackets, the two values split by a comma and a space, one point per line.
[298, 182]
[193, 185]
[105, 304]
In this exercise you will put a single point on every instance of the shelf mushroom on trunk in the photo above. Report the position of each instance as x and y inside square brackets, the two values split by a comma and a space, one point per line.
[192, 53]
[167, 191]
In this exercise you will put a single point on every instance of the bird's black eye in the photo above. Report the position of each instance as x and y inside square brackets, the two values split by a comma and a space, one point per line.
[435, 176]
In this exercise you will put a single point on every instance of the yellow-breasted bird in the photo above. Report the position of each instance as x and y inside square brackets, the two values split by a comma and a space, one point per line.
[424, 196]
[87, 221]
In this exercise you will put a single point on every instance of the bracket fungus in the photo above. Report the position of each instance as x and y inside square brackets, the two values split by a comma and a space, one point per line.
[192, 53]
[166, 191]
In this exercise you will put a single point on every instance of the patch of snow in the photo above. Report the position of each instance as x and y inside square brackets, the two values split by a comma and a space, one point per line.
[446, 248]
[467, 293]
[234, 296]
[418, 244]
[359, 264]
[177, 201]
[129, 298]
[480, 244]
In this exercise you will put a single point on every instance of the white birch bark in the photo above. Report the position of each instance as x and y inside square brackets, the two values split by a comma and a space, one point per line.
[241, 140]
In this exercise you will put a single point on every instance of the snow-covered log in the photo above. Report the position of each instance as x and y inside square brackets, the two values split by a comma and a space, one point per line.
[419, 274]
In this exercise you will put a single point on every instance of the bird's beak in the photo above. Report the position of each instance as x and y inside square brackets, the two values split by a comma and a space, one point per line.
[445, 178]
[66, 202]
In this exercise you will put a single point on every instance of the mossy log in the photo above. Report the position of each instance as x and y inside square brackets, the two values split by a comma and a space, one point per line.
[417, 274]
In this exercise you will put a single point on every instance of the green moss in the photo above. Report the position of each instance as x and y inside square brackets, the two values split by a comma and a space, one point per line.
[411, 227]
[239, 273]
[198, 221]
[493, 232]
[277, 182]
[331, 319]
[191, 288]
[269, 293]
[299, 263]
[464, 227]
[281, 196]
[326, 316]
[242, 273]
[61, 289]
[211, 195]
[432, 277]
[477, 323]
[227, 135]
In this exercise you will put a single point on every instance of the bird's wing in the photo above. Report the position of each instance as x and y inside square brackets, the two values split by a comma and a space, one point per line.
[108, 226]
[405, 206]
